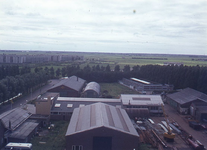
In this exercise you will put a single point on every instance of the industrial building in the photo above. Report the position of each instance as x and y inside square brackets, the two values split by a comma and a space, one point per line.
[92, 90]
[101, 127]
[15, 126]
[69, 87]
[63, 107]
[135, 105]
[45, 102]
[146, 86]
[199, 111]
[142, 103]
[183, 99]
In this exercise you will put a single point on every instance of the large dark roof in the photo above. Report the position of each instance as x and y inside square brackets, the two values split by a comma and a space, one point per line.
[14, 117]
[72, 82]
[187, 95]
[68, 104]
[100, 115]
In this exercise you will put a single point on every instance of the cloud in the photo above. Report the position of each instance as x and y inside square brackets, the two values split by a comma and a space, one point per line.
[153, 25]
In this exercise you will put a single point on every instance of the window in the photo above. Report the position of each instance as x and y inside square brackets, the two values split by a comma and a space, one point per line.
[77, 147]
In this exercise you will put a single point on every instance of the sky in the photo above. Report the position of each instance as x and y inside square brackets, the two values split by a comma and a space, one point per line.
[115, 26]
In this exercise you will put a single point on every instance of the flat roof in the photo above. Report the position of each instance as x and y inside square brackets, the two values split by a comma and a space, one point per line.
[134, 99]
[139, 80]
[82, 99]
[100, 115]
[45, 96]
[68, 104]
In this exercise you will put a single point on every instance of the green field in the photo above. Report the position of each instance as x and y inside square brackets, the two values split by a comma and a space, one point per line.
[115, 89]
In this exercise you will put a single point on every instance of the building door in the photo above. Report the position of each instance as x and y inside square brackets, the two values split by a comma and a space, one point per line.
[102, 143]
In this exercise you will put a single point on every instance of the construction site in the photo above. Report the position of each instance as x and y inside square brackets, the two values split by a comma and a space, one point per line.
[170, 131]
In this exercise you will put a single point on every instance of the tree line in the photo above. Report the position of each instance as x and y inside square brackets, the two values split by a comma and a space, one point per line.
[15, 79]
[180, 76]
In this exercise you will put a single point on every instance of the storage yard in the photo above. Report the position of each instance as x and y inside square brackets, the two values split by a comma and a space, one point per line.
[151, 132]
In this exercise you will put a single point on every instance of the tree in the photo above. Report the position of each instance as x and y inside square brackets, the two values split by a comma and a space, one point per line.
[117, 68]
[108, 69]
[58, 72]
[126, 68]
[52, 72]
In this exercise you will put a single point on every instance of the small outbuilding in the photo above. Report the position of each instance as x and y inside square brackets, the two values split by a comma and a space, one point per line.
[101, 127]
[70, 87]
[92, 90]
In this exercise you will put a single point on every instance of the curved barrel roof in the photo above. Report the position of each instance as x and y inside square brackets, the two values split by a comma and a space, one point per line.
[93, 86]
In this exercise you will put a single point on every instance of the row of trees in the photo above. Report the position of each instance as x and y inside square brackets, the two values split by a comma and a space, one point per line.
[21, 80]
[12, 85]
[180, 76]
[13, 70]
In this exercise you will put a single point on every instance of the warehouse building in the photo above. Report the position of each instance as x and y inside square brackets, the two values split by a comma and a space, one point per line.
[92, 90]
[70, 87]
[136, 103]
[101, 127]
[183, 99]
[146, 86]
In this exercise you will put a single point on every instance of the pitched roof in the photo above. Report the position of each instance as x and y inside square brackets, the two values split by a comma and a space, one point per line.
[93, 86]
[14, 117]
[187, 95]
[72, 82]
[100, 115]
[24, 130]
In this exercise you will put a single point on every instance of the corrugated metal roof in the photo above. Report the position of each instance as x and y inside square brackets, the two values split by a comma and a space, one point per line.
[24, 130]
[93, 86]
[72, 82]
[134, 99]
[99, 115]
[187, 95]
[14, 117]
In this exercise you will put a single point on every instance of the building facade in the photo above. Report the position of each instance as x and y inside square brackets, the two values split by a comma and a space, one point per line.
[69, 87]
[100, 126]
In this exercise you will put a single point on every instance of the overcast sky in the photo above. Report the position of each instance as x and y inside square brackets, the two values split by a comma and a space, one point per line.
[134, 26]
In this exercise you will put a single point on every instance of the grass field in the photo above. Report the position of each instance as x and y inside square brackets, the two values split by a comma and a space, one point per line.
[115, 89]
[52, 139]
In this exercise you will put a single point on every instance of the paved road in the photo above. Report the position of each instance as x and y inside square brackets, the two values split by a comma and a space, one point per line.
[29, 97]
[180, 119]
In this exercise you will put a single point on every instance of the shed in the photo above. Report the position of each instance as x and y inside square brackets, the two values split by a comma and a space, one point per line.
[10, 121]
[92, 90]
[101, 127]
[70, 87]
